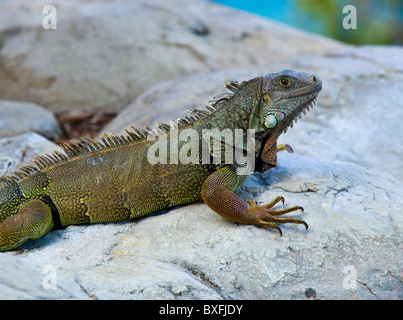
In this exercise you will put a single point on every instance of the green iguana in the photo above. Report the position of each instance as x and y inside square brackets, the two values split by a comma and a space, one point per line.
[116, 179]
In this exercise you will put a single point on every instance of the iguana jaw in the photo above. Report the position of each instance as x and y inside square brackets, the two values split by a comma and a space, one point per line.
[298, 108]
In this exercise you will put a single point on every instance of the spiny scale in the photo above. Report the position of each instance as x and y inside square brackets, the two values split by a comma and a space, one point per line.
[299, 116]
[233, 85]
[85, 145]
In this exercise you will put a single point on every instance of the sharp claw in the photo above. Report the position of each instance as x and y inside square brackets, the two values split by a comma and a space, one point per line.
[267, 217]
[289, 149]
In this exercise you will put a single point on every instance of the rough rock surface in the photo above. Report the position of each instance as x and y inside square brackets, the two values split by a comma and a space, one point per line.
[105, 53]
[19, 150]
[18, 117]
[21, 280]
[355, 233]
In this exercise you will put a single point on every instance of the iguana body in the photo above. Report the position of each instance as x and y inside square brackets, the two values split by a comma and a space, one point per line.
[115, 180]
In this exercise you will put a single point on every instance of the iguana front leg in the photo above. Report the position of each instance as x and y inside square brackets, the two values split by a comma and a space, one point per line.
[217, 194]
[269, 154]
[33, 220]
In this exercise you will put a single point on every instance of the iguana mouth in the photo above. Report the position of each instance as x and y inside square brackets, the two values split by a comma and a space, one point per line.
[305, 91]
[311, 96]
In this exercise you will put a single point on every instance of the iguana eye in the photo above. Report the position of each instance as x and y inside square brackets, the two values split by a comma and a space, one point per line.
[285, 82]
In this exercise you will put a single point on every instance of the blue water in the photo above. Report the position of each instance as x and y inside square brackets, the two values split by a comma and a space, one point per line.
[285, 11]
[280, 10]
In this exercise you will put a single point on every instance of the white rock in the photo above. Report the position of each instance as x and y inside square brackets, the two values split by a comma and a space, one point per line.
[104, 54]
[19, 150]
[17, 117]
[22, 280]
[355, 226]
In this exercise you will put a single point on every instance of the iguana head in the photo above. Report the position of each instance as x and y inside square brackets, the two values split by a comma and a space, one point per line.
[285, 95]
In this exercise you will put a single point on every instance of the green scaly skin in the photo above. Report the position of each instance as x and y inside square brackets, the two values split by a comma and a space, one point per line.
[114, 180]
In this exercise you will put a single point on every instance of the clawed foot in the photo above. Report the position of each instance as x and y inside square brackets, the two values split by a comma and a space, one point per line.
[266, 217]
